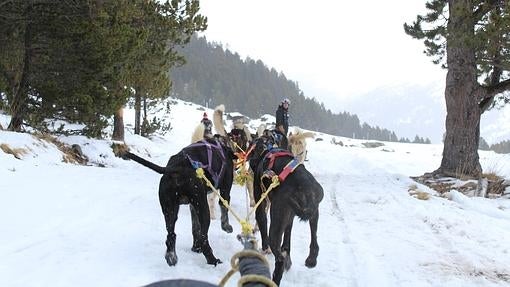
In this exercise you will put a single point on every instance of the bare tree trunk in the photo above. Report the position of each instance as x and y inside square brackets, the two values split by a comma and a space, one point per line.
[118, 125]
[144, 121]
[460, 152]
[138, 107]
[20, 97]
[144, 108]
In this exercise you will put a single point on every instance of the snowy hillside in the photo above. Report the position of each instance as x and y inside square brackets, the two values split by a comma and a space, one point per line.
[64, 224]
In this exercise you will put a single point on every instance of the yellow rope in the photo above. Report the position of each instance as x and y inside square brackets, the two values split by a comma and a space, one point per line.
[234, 263]
[201, 174]
[242, 175]
[247, 229]
[274, 183]
[245, 224]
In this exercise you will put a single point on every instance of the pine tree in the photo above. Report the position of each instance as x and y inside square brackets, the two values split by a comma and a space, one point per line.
[159, 28]
[471, 35]
[215, 76]
[501, 147]
[42, 60]
[483, 145]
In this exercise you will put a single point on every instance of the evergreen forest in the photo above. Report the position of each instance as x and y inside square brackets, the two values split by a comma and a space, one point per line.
[214, 75]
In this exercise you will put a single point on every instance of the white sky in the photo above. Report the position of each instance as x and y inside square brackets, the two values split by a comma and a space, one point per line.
[335, 50]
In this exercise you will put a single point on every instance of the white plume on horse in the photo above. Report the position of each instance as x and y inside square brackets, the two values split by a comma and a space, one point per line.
[297, 143]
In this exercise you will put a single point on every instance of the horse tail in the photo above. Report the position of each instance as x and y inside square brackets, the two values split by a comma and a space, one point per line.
[303, 212]
[307, 205]
[144, 162]
[218, 120]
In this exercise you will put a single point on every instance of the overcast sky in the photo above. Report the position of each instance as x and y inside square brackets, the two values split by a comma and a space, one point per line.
[336, 50]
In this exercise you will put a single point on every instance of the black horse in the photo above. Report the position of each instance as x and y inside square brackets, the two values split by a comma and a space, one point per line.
[180, 185]
[297, 194]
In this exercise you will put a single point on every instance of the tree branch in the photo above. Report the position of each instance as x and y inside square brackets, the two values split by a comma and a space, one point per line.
[8, 78]
[5, 2]
[484, 9]
[498, 88]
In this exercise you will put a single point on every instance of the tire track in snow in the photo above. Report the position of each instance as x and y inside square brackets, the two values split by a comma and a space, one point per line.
[347, 196]
[334, 220]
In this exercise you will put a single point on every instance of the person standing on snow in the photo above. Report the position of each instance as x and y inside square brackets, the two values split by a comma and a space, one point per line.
[282, 122]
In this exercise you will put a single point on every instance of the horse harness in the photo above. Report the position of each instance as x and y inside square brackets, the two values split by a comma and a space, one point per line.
[208, 166]
[272, 155]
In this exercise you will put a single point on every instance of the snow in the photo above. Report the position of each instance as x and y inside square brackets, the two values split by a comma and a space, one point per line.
[69, 225]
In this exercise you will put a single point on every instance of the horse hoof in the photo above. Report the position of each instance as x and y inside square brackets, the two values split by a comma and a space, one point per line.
[311, 262]
[196, 249]
[214, 262]
[227, 228]
[287, 263]
[171, 258]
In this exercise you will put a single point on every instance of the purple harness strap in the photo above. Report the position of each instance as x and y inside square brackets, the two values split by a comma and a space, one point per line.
[197, 164]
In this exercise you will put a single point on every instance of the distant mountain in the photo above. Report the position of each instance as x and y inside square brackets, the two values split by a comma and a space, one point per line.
[214, 75]
[495, 125]
[420, 109]
[408, 110]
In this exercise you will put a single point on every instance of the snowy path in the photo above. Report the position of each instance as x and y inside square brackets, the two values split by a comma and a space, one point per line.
[66, 225]
[392, 239]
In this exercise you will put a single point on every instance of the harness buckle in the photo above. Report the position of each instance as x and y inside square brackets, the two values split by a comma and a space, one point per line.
[268, 173]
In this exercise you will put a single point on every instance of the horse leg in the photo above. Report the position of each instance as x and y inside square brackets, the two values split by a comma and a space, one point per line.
[311, 261]
[286, 245]
[278, 225]
[261, 218]
[204, 220]
[170, 208]
[195, 230]
[225, 225]
[211, 200]
[249, 187]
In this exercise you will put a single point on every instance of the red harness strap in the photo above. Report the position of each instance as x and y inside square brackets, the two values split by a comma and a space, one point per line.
[271, 156]
[288, 169]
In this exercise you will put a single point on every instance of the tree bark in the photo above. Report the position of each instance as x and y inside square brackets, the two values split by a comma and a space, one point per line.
[19, 101]
[144, 121]
[462, 94]
[118, 125]
[138, 112]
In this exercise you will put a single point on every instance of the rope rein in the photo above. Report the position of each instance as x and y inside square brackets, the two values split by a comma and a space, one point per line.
[234, 263]
[245, 224]
[246, 227]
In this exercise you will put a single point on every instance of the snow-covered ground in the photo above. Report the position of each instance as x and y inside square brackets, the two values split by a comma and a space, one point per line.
[69, 225]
